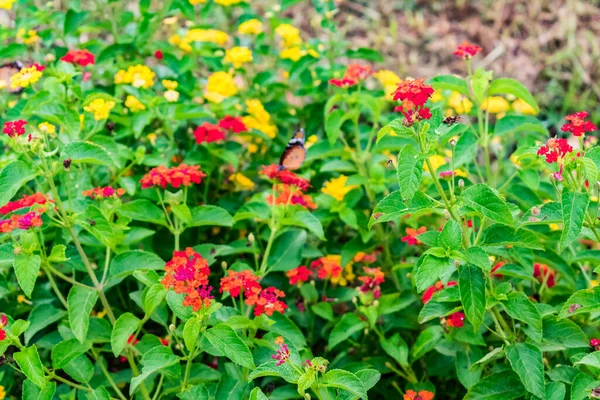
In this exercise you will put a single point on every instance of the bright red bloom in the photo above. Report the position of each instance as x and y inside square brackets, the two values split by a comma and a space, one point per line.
[181, 175]
[555, 149]
[370, 283]
[100, 193]
[327, 267]
[240, 282]
[187, 272]
[282, 355]
[343, 83]
[428, 294]
[287, 194]
[30, 220]
[413, 94]
[411, 236]
[275, 172]
[422, 395]
[80, 57]
[496, 268]
[14, 128]
[543, 273]
[234, 124]
[578, 125]
[267, 301]
[158, 55]
[595, 343]
[3, 323]
[26, 201]
[298, 275]
[467, 50]
[132, 340]
[456, 320]
[38, 67]
[208, 133]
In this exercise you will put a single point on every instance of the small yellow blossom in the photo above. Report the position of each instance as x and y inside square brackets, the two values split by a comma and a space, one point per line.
[337, 188]
[523, 107]
[152, 138]
[436, 162]
[241, 181]
[6, 4]
[29, 37]
[312, 139]
[252, 148]
[171, 95]
[289, 34]
[195, 2]
[460, 173]
[554, 227]
[238, 56]
[220, 85]
[199, 35]
[47, 128]
[101, 314]
[25, 77]
[100, 108]
[2, 393]
[250, 27]
[460, 103]
[139, 76]
[257, 110]
[267, 128]
[169, 85]
[495, 105]
[134, 104]
[228, 3]
[389, 80]
[22, 299]
[437, 96]
[2, 84]
[347, 275]
[171, 20]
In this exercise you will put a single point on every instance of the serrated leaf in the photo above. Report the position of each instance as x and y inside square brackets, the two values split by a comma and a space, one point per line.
[13, 176]
[503, 385]
[338, 378]
[484, 200]
[574, 206]
[87, 152]
[32, 392]
[519, 307]
[526, 360]
[429, 271]
[29, 361]
[229, 343]
[124, 327]
[65, 351]
[582, 301]
[396, 348]
[348, 325]
[191, 331]
[451, 235]
[154, 360]
[471, 284]
[426, 341]
[26, 268]
[270, 368]
[409, 172]
[81, 301]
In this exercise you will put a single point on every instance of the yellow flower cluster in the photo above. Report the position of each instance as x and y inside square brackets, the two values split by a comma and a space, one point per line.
[199, 35]
[100, 108]
[28, 37]
[25, 77]
[250, 27]
[138, 76]
[171, 94]
[461, 104]
[337, 188]
[347, 275]
[195, 2]
[241, 181]
[495, 105]
[219, 86]
[134, 104]
[292, 43]
[6, 4]
[389, 80]
[228, 3]
[522, 107]
[259, 118]
[47, 128]
[238, 56]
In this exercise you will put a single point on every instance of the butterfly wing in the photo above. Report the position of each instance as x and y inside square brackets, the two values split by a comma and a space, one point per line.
[7, 71]
[294, 154]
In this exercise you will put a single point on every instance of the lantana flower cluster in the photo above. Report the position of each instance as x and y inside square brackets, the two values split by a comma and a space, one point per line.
[187, 272]
[105, 192]
[413, 94]
[246, 284]
[354, 74]
[24, 202]
[182, 174]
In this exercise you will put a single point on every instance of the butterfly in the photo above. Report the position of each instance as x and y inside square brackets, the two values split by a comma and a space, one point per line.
[7, 70]
[294, 154]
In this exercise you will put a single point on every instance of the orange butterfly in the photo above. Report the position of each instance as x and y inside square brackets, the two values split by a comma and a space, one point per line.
[8, 70]
[294, 154]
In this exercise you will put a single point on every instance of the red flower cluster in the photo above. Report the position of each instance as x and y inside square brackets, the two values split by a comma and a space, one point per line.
[354, 74]
[413, 94]
[282, 355]
[456, 320]
[327, 267]
[159, 55]
[275, 172]
[543, 273]
[38, 67]
[411, 236]
[26, 201]
[208, 133]
[240, 282]
[267, 301]
[81, 57]
[14, 128]
[298, 275]
[3, 323]
[288, 195]
[181, 175]
[234, 124]
[467, 50]
[187, 272]
[578, 125]
[427, 294]
[555, 149]
[25, 221]
[371, 282]
[367, 258]
[422, 395]
[595, 343]
[100, 193]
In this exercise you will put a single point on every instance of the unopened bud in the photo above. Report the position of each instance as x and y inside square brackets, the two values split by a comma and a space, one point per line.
[251, 238]
[453, 143]
[376, 303]
[17, 251]
[456, 263]
[535, 211]
[224, 264]
[172, 327]
[354, 300]
[307, 396]
[447, 214]
[312, 282]
[178, 346]
[598, 185]
[366, 331]
[461, 183]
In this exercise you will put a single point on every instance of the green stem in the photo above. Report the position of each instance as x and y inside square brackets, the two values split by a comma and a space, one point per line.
[107, 375]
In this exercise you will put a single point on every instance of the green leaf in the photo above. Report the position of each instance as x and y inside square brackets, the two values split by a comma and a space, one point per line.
[484, 200]
[154, 360]
[503, 385]
[94, 221]
[471, 284]
[257, 394]
[100, 393]
[143, 210]
[467, 372]
[13, 176]
[502, 235]
[229, 343]
[87, 152]
[191, 331]
[574, 206]
[80, 368]
[582, 301]
[152, 297]
[591, 360]
[479, 257]
[81, 301]
[254, 210]
[19, 326]
[288, 329]
[305, 219]
[230, 387]
[429, 271]
[287, 250]
[514, 87]
[198, 392]
[427, 341]
[29, 361]
[348, 325]
[451, 235]
[519, 123]
[582, 386]
[563, 334]
[392, 207]
[127, 262]
[306, 380]
[396, 348]
[338, 378]
[124, 327]
[526, 360]
[409, 172]
[72, 20]
[32, 392]
[466, 149]
[65, 351]
[211, 216]
[26, 268]
[175, 300]
[450, 82]
[270, 368]
[555, 391]
[519, 307]
[323, 310]
[13, 50]
[40, 317]
[58, 254]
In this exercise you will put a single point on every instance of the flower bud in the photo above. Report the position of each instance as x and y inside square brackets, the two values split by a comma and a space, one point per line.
[447, 214]
[461, 183]
[224, 265]
[453, 143]
[172, 327]
[535, 211]
[456, 263]
[376, 303]
[251, 238]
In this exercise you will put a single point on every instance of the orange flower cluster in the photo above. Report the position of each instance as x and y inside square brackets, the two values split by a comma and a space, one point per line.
[181, 175]
[26, 201]
[245, 282]
[413, 94]
[267, 301]
[279, 174]
[100, 193]
[411, 236]
[298, 275]
[354, 74]
[26, 221]
[326, 268]
[187, 272]
[422, 395]
[371, 282]
[286, 194]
